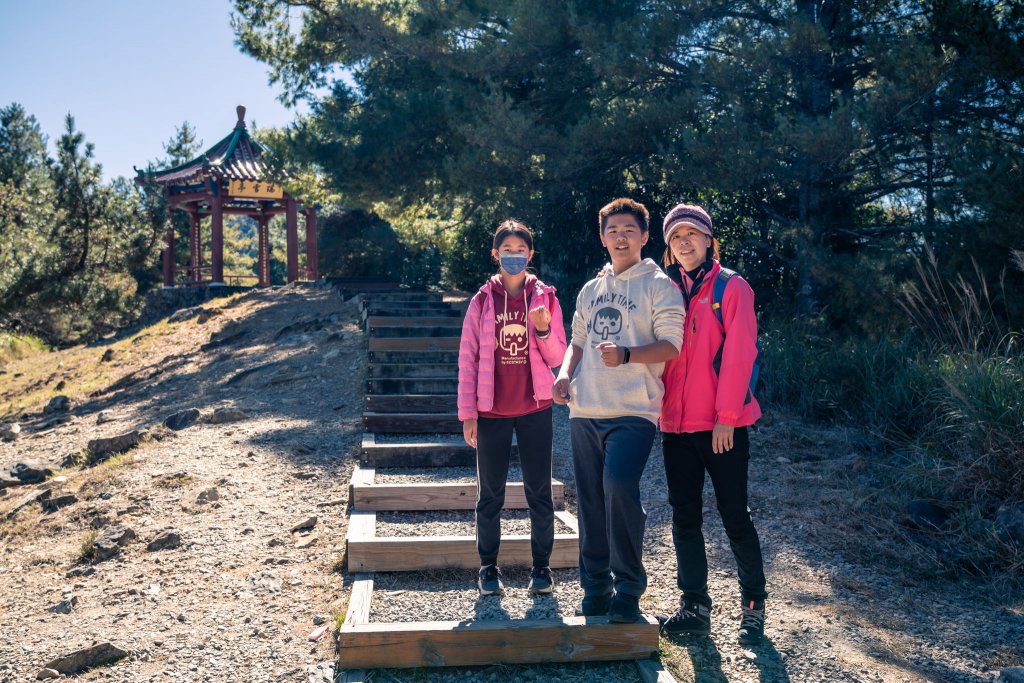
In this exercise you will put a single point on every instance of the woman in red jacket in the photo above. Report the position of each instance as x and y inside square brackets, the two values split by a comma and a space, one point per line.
[707, 408]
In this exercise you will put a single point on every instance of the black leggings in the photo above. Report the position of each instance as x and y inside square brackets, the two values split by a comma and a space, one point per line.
[493, 453]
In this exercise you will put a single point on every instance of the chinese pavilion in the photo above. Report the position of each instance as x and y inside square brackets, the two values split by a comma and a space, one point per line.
[229, 179]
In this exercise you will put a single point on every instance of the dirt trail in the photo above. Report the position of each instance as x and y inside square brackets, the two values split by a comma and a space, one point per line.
[240, 595]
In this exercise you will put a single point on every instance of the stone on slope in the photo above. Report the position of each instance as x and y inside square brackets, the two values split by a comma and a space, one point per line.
[99, 450]
[182, 419]
[77, 661]
[111, 540]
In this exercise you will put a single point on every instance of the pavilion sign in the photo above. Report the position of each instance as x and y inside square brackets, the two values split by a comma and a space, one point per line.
[255, 189]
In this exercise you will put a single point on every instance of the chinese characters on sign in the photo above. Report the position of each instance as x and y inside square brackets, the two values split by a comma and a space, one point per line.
[250, 188]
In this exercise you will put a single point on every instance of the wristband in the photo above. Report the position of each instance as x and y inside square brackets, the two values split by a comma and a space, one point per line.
[625, 355]
[544, 334]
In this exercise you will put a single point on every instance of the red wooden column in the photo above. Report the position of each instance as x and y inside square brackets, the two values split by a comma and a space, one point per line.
[217, 241]
[169, 252]
[194, 249]
[311, 270]
[263, 255]
[292, 228]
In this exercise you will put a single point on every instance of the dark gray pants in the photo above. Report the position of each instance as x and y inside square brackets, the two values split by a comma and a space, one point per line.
[493, 452]
[608, 458]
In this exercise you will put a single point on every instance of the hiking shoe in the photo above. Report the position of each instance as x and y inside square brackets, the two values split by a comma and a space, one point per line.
[541, 581]
[625, 609]
[752, 623]
[489, 580]
[693, 618]
[594, 605]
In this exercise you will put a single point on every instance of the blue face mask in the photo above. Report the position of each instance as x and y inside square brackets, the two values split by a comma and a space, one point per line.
[513, 264]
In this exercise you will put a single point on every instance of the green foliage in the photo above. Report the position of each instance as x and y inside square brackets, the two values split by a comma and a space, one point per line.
[824, 138]
[354, 244]
[76, 253]
[14, 346]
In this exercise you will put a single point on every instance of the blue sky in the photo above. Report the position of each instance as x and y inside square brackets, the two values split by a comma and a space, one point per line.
[130, 72]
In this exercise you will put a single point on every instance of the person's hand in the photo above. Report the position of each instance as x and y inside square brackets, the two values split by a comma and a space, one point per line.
[541, 318]
[560, 392]
[611, 354]
[721, 438]
[469, 432]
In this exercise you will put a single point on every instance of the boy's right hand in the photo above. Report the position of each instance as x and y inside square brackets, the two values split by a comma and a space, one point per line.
[560, 392]
[469, 432]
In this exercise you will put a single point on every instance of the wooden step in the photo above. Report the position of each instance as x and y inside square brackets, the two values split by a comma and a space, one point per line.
[369, 553]
[365, 495]
[413, 343]
[414, 328]
[391, 297]
[412, 423]
[365, 644]
[425, 310]
[411, 370]
[426, 453]
[415, 385]
[410, 403]
[413, 356]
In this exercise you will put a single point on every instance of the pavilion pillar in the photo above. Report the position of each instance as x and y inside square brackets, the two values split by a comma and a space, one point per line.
[292, 229]
[311, 265]
[169, 252]
[217, 240]
[194, 248]
[263, 256]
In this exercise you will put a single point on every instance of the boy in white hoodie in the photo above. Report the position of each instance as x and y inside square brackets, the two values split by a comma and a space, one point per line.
[628, 322]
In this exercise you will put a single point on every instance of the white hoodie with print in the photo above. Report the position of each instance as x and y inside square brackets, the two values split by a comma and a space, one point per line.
[637, 307]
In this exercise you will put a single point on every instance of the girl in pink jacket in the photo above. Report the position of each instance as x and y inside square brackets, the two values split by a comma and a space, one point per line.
[707, 408]
[511, 338]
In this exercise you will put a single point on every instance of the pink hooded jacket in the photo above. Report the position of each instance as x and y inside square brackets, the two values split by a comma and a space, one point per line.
[695, 397]
[476, 350]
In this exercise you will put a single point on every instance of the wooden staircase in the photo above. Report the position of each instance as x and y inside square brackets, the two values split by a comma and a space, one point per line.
[410, 390]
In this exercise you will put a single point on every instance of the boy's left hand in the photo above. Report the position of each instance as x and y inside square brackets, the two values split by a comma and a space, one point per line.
[541, 318]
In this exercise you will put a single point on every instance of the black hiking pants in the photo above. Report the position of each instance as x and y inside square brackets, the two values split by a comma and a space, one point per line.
[687, 458]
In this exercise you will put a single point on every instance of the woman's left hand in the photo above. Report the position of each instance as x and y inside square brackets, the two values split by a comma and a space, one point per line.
[721, 438]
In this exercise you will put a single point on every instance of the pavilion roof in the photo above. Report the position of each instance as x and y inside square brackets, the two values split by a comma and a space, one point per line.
[235, 157]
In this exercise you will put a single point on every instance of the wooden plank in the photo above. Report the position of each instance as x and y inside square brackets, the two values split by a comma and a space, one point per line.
[402, 332]
[358, 612]
[412, 370]
[420, 321]
[457, 496]
[362, 477]
[413, 343]
[563, 516]
[410, 553]
[415, 385]
[424, 454]
[361, 527]
[410, 403]
[414, 356]
[651, 671]
[412, 423]
[518, 641]
[402, 311]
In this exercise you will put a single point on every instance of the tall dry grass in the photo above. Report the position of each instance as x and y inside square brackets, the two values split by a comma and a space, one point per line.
[945, 392]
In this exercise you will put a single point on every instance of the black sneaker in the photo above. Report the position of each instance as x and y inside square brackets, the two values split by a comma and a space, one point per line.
[489, 580]
[752, 623]
[693, 618]
[625, 609]
[594, 605]
[541, 581]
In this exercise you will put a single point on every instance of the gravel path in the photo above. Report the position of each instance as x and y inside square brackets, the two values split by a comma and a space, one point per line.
[239, 597]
